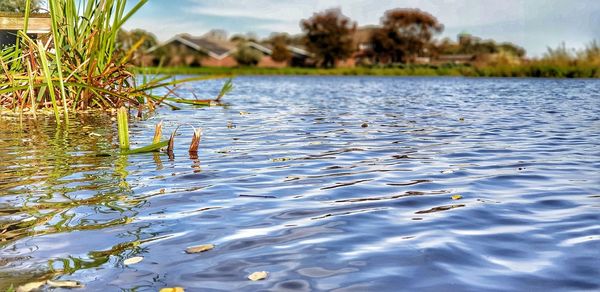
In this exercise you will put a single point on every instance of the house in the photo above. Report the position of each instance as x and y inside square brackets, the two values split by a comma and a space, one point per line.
[363, 45]
[10, 23]
[211, 50]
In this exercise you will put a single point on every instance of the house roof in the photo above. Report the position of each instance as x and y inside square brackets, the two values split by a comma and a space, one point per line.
[211, 45]
[216, 48]
[363, 34]
[220, 48]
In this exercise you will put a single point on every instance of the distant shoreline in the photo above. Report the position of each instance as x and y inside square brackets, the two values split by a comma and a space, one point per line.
[529, 70]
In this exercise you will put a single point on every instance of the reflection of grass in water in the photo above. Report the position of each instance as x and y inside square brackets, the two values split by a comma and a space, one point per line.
[70, 264]
[45, 184]
[51, 175]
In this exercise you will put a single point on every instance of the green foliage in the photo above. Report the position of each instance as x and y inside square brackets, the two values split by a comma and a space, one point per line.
[79, 67]
[123, 128]
[534, 69]
[135, 42]
[329, 36]
[19, 6]
[247, 56]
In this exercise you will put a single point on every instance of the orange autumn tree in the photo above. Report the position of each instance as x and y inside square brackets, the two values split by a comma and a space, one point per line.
[404, 35]
[329, 36]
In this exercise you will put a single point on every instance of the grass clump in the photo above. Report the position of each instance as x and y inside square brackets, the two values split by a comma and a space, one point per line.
[78, 67]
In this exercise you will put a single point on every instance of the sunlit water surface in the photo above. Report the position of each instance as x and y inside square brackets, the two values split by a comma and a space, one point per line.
[326, 183]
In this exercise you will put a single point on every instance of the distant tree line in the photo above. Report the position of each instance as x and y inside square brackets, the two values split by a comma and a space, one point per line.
[404, 36]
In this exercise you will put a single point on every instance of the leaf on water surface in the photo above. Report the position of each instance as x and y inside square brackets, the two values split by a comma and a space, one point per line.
[243, 113]
[133, 260]
[456, 197]
[148, 148]
[64, 284]
[280, 159]
[172, 289]
[33, 286]
[199, 248]
[257, 276]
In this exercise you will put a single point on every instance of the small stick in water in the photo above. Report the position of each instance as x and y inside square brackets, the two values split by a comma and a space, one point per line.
[195, 141]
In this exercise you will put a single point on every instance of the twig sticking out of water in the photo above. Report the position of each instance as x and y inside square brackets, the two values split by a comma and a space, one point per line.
[195, 141]
[157, 133]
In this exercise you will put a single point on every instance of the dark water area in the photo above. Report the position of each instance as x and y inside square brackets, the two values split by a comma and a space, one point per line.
[327, 183]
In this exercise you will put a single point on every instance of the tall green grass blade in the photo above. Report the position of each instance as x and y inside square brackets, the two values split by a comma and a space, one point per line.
[123, 127]
[150, 148]
[48, 76]
[54, 16]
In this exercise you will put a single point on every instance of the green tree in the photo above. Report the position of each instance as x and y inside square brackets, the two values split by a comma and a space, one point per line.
[126, 40]
[405, 34]
[329, 36]
[246, 55]
[19, 5]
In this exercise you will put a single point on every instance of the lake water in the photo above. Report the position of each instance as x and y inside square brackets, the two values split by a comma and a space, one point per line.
[327, 183]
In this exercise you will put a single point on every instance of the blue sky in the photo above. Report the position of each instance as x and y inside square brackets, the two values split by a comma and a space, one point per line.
[533, 24]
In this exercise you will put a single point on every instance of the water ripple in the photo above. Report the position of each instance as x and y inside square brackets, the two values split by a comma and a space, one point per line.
[298, 187]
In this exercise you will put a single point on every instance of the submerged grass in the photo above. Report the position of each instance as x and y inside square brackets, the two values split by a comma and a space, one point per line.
[78, 67]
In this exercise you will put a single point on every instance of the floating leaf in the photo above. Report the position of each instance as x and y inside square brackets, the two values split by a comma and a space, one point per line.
[33, 286]
[148, 148]
[199, 248]
[280, 159]
[172, 289]
[64, 284]
[243, 113]
[456, 197]
[133, 260]
[257, 276]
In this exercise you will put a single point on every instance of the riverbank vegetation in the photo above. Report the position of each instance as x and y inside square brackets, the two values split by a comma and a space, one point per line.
[545, 68]
[79, 66]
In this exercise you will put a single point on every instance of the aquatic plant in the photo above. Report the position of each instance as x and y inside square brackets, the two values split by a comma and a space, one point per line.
[78, 66]
[157, 144]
